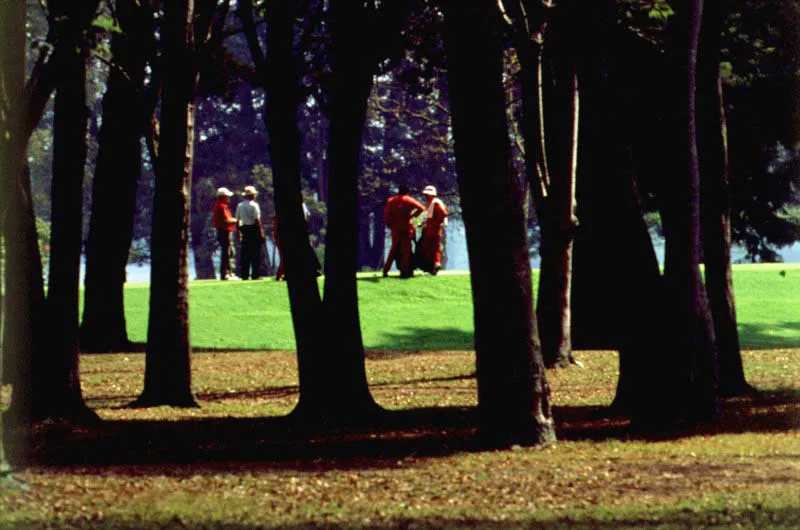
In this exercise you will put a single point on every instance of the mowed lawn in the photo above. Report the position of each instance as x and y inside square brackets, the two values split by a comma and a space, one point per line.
[430, 313]
[237, 462]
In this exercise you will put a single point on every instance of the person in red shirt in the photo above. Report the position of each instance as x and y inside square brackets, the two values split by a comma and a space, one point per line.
[224, 221]
[397, 216]
[429, 252]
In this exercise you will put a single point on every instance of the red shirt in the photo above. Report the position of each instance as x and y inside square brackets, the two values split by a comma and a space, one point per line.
[223, 218]
[399, 211]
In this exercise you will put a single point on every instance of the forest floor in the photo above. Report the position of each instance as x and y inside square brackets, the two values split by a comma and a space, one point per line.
[237, 463]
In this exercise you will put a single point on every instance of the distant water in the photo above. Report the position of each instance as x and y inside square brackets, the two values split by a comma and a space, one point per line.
[456, 251]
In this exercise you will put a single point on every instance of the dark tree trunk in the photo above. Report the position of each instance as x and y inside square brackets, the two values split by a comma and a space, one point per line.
[371, 239]
[551, 164]
[513, 395]
[558, 221]
[63, 393]
[715, 198]
[12, 79]
[114, 188]
[616, 289]
[25, 365]
[686, 388]
[378, 229]
[364, 235]
[352, 64]
[278, 75]
[202, 248]
[167, 378]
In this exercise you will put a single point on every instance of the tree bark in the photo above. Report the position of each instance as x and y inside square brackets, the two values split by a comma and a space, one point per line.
[558, 220]
[715, 198]
[202, 249]
[616, 279]
[12, 84]
[281, 86]
[513, 395]
[114, 187]
[23, 337]
[69, 23]
[352, 64]
[686, 389]
[551, 164]
[168, 357]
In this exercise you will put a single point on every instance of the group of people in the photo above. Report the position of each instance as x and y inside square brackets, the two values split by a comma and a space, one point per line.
[399, 215]
[247, 221]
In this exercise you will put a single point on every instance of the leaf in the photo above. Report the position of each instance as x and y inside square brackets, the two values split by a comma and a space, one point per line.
[106, 23]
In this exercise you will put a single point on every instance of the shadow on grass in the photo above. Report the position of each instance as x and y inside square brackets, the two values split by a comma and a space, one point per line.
[271, 392]
[376, 443]
[424, 339]
[761, 336]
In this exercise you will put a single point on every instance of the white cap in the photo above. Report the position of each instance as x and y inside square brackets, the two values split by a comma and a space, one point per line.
[224, 192]
[429, 190]
[250, 190]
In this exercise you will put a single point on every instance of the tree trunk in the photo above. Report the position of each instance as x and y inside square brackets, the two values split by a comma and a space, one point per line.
[352, 63]
[114, 188]
[513, 395]
[378, 229]
[202, 248]
[24, 365]
[616, 279]
[551, 172]
[12, 79]
[686, 387]
[280, 82]
[558, 221]
[167, 378]
[63, 393]
[715, 201]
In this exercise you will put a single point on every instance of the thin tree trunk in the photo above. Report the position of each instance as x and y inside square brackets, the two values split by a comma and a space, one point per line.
[716, 203]
[168, 357]
[513, 395]
[281, 87]
[114, 188]
[558, 221]
[552, 184]
[201, 247]
[63, 394]
[352, 72]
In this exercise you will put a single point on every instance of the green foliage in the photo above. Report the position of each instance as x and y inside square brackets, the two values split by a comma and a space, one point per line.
[106, 23]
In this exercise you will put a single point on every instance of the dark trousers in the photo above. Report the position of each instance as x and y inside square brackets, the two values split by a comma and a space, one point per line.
[251, 252]
[224, 240]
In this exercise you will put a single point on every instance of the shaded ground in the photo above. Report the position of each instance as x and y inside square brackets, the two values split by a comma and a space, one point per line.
[226, 466]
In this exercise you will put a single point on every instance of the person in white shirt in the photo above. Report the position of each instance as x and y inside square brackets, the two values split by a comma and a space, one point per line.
[249, 215]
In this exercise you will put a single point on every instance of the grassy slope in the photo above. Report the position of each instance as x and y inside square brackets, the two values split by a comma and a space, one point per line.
[432, 313]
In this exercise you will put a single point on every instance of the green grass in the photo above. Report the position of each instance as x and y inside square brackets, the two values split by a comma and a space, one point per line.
[431, 313]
